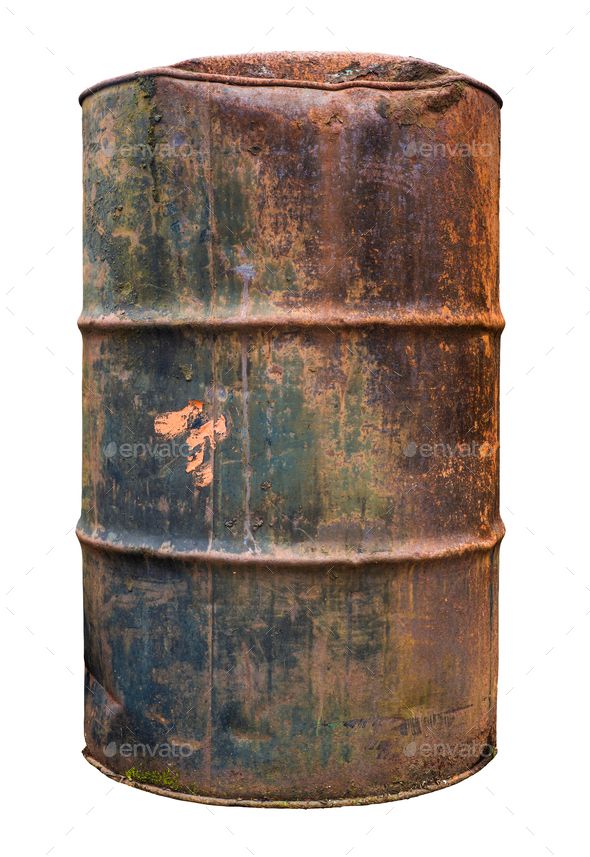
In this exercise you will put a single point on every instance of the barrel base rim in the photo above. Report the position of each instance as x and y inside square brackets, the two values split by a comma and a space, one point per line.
[273, 803]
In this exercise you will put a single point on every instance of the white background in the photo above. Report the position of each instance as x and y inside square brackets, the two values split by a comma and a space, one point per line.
[533, 798]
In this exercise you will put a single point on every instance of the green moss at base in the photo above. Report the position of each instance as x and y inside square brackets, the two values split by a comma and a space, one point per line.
[164, 779]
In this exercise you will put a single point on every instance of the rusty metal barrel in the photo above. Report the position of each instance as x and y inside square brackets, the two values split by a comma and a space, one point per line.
[290, 521]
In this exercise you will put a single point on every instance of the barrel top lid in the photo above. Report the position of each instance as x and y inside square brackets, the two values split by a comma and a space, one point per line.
[311, 70]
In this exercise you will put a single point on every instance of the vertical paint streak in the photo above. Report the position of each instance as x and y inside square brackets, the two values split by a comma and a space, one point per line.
[386, 646]
[335, 257]
[249, 540]
[208, 755]
[246, 272]
[493, 618]
[211, 498]
[270, 654]
[208, 177]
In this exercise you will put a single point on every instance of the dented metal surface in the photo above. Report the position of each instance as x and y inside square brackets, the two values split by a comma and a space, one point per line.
[290, 519]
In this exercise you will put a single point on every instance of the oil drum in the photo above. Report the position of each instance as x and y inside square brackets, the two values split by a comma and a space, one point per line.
[290, 520]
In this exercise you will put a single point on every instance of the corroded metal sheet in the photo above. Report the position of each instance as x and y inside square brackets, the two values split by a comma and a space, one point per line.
[290, 514]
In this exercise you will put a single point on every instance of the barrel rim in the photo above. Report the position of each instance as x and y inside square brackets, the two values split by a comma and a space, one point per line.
[273, 803]
[436, 550]
[435, 320]
[184, 71]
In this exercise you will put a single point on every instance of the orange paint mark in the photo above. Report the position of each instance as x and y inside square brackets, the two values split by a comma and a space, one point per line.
[202, 436]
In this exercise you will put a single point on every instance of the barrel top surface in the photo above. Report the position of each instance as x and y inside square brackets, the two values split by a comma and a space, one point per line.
[310, 70]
